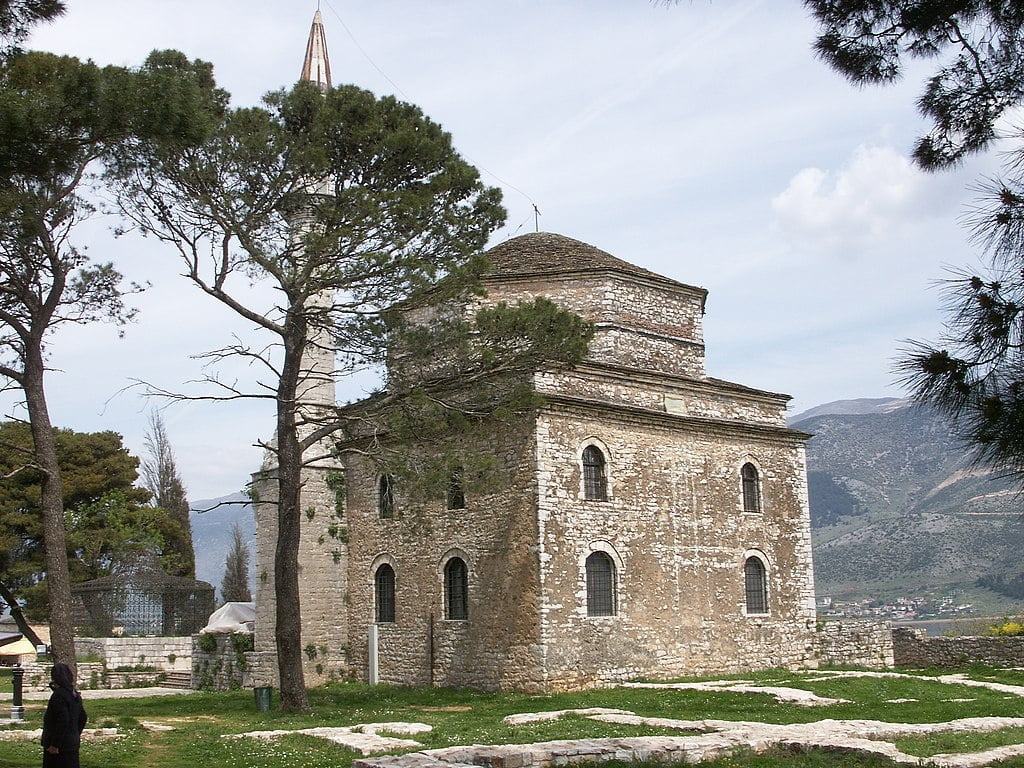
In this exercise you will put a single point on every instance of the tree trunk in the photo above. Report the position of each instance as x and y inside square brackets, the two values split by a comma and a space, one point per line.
[58, 578]
[19, 618]
[288, 625]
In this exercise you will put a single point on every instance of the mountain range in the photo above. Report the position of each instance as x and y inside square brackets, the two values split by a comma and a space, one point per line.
[899, 508]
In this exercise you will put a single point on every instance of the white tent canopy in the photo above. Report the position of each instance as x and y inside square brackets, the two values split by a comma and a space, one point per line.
[231, 618]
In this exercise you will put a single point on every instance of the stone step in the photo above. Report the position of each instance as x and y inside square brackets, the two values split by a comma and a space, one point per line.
[177, 680]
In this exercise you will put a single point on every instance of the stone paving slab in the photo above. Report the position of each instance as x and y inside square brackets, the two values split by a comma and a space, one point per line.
[366, 739]
[785, 695]
[715, 738]
[540, 717]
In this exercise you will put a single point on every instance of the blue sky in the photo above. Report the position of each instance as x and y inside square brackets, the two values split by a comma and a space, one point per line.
[699, 140]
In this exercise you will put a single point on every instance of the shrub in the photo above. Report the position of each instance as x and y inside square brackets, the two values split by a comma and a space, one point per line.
[1006, 629]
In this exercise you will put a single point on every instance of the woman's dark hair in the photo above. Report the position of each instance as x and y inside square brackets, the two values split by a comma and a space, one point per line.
[61, 675]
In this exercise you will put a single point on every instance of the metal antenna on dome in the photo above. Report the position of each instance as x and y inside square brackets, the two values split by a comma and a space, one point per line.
[536, 218]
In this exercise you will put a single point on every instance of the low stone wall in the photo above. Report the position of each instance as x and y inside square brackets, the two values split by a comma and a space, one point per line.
[914, 649]
[168, 654]
[223, 662]
[121, 662]
[854, 644]
[90, 675]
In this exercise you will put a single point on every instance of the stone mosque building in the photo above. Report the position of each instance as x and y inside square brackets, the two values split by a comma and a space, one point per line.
[654, 521]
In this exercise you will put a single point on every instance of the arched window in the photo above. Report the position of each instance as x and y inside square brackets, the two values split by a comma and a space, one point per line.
[384, 593]
[751, 488]
[386, 496]
[456, 589]
[595, 479]
[756, 584]
[456, 494]
[600, 584]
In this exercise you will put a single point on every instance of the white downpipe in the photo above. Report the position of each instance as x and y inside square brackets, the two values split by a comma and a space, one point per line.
[373, 672]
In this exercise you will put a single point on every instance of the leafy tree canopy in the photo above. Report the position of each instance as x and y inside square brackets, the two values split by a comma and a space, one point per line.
[980, 44]
[60, 121]
[17, 17]
[107, 518]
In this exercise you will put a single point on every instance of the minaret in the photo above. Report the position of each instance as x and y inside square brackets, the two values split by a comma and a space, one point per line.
[318, 388]
[316, 67]
[323, 578]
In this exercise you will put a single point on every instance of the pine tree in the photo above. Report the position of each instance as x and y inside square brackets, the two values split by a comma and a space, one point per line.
[235, 586]
[160, 477]
[62, 122]
[350, 206]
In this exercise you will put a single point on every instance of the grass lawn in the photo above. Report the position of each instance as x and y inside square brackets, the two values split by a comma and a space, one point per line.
[461, 717]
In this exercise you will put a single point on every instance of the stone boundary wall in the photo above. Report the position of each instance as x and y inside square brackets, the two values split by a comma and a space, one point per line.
[854, 644]
[169, 654]
[91, 675]
[229, 666]
[914, 649]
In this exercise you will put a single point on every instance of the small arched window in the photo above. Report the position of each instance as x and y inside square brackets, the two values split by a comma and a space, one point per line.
[456, 493]
[456, 589]
[756, 585]
[600, 584]
[595, 479]
[386, 496]
[384, 593]
[751, 488]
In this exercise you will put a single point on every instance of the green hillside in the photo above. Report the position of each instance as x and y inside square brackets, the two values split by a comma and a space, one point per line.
[899, 510]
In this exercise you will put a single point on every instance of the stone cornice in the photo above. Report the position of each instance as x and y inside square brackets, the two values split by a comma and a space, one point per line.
[606, 325]
[633, 413]
[676, 381]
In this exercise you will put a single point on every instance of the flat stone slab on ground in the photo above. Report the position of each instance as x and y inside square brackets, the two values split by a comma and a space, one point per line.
[786, 695]
[364, 738]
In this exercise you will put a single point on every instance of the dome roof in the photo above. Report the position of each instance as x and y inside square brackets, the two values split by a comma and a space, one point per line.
[548, 253]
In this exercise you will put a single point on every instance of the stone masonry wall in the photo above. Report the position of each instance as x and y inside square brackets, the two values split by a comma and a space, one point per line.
[911, 648]
[854, 644]
[495, 647]
[639, 322]
[90, 675]
[164, 653]
[229, 665]
[675, 527]
[323, 560]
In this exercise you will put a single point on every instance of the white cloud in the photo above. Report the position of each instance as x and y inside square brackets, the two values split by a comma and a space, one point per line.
[873, 197]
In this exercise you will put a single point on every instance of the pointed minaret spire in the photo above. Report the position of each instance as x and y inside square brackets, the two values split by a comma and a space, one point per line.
[316, 68]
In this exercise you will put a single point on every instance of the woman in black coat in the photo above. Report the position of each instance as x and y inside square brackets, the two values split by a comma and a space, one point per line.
[64, 720]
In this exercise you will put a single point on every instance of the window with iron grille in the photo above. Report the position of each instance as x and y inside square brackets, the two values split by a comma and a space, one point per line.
[756, 585]
[600, 585]
[456, 495]
[384, 586]
[595, 480]
[751, 488]
[386, 496]
[456, 589]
